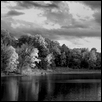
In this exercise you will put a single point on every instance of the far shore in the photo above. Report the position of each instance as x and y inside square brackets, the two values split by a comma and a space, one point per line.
[47, 72]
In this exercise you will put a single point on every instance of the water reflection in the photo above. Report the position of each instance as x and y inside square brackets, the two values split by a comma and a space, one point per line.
[10, 89]
[50, 88]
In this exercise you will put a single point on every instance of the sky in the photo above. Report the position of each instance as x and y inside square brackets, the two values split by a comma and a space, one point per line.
[74, 23]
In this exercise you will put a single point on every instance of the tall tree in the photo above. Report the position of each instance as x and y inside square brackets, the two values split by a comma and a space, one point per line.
[28, 57]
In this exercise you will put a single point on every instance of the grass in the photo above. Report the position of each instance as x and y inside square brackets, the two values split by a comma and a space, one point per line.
[64, 69]
[57, 70]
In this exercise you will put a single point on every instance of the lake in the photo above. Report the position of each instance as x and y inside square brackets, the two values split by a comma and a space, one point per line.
[72, 87]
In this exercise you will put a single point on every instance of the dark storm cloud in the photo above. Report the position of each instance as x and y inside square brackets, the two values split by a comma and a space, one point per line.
[56, 34]
[53, 34]
[14, 13]
[76, 26]
[29, 4]
[76, 32]
[7, 26]
[93, 4]
[98, 17]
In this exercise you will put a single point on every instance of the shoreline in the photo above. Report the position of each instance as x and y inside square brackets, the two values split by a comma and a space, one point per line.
[40, 73]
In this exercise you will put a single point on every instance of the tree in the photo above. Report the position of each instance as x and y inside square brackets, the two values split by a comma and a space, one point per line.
[92, 58]
[98, 61]
[4, 57]
[93, 55]
[25, 39]
[13, 60]
[9, 59]
[34, 58]
[63, 59]
[66, 54]
[64, 48]
[54, 47]
[49, 59]
[39, 42]
[75, 58]
[85, 59]
[6, 38]
[28, 57]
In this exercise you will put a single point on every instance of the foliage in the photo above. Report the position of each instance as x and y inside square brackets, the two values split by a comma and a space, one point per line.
[4, 57]
[37, 52]
[9, 59]
[63, 59]
[28, 57]
[13, 60]
[24, 39]
[6, 38]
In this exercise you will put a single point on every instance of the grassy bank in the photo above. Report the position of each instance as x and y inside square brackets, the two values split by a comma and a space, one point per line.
[38, 72]
[57, 70]
[28, 73]
[67, 70]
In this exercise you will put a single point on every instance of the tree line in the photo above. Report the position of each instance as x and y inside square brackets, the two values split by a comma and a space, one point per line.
[36, 52]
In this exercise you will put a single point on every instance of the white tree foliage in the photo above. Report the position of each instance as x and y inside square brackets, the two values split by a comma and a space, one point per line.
[13, 60]
[34, 57]
[49, 58]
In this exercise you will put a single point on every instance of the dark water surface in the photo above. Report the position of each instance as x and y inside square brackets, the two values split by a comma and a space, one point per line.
[51, 88]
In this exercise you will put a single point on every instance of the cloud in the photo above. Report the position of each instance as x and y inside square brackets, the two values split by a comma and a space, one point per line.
[14, 13]
[96, 7]
[58, 16]
[20, 25]
[86, 42]
[53, 19]
[30, 4]
[97, 16]
[71, 15]
[78, 25]
[51, 26]
[34, 16]
[80, 12]
[76, 32]
[7, 25]
[53, 31]
[93, 4]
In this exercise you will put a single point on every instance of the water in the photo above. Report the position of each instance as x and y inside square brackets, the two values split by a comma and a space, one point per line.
[51, 88]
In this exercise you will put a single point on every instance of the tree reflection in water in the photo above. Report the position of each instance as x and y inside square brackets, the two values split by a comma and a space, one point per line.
[11, 89]
[47, 88]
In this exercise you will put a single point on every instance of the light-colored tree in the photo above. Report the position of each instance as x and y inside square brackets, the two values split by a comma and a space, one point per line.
[34, 57]
[49, 58]
[13, 60]
[93, 55]
[46, 62]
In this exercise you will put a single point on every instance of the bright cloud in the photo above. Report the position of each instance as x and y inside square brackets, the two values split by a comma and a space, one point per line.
[79, 11]
[31, 15]
[51, 26]
[4, 8]
[35, 16]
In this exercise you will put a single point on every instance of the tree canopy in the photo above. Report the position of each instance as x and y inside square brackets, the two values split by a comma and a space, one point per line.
[39, 52]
